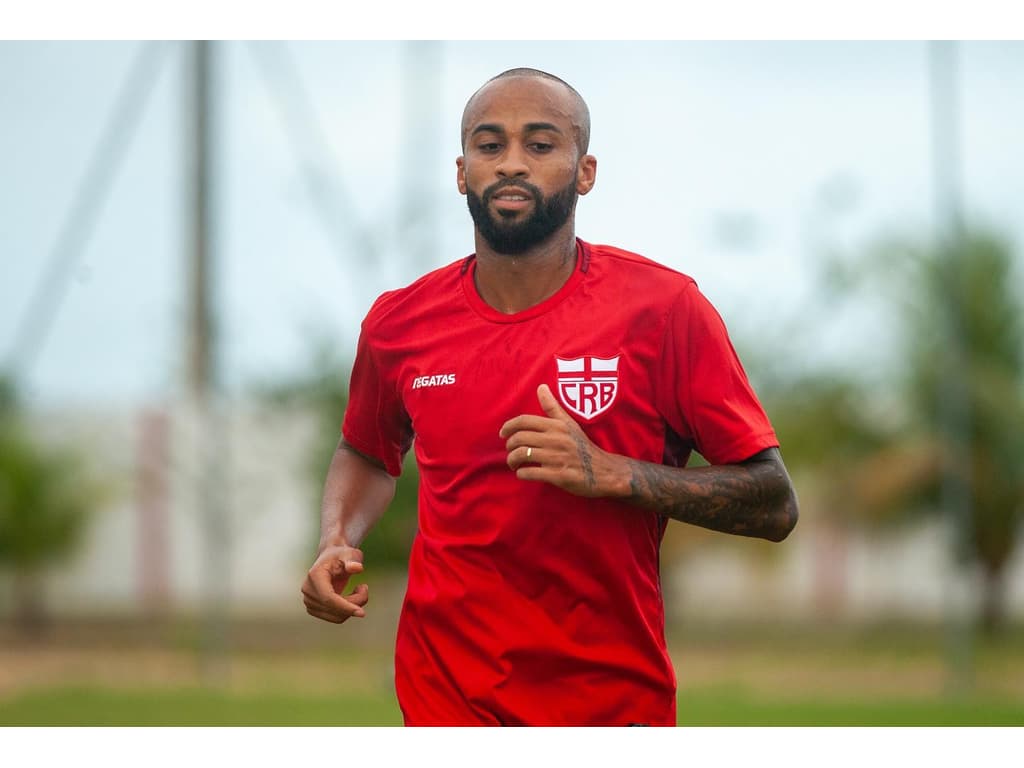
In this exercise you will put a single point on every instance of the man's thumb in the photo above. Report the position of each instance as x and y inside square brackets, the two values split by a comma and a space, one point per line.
[550, 404]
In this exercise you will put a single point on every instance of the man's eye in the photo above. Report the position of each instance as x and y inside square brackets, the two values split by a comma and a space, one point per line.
[490, 146]
[540, 146]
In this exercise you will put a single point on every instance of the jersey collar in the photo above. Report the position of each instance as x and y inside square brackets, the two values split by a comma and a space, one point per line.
[488, 312]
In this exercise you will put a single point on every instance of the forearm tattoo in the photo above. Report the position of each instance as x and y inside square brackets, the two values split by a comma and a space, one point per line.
[751, 499]
[588, 467]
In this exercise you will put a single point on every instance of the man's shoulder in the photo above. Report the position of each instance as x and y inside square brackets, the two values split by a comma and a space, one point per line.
[638, 267]
[435, 288]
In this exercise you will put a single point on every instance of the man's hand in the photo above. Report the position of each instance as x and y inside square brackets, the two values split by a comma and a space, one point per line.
[326, 580]
[554, 449]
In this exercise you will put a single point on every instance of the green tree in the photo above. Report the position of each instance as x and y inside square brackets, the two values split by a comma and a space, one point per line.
[829, 438]
[973, 286]
[884, 469]
[46, 499]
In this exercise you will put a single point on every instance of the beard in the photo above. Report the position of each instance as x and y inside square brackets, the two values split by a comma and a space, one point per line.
[510, 237]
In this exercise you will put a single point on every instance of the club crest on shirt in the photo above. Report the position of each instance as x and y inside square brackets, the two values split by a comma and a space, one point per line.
[587, 385]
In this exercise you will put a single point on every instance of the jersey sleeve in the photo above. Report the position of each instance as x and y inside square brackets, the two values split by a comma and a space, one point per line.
[702, 390]
[375, 422]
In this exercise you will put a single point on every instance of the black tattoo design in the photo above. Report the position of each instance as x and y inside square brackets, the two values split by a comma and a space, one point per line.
[588, 468]
[750, 499]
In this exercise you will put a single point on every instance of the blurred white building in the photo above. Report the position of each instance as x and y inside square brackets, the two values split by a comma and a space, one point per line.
[144, 550]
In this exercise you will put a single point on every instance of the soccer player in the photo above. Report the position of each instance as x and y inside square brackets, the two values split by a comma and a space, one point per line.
[555, 390]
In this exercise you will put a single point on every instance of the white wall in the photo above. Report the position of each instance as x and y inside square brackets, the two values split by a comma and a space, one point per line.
[272, 508]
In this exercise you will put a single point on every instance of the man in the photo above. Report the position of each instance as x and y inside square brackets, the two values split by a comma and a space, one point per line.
[555, 390]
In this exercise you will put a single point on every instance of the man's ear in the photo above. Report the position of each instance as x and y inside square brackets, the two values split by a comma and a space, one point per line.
[586, 174]
[460, 175]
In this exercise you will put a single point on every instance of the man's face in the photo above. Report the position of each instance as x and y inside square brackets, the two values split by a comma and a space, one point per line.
[514, 215]
[522, 172]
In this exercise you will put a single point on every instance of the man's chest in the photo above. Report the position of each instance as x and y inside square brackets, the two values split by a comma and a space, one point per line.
[464, 380]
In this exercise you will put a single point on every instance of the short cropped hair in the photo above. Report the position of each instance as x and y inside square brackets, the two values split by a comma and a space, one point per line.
[583, 137]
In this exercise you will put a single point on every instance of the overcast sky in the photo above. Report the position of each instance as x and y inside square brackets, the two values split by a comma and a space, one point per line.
[718, 159]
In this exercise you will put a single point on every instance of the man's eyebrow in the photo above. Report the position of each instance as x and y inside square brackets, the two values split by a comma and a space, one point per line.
[487, 128]
[530, 127]
[542, 127]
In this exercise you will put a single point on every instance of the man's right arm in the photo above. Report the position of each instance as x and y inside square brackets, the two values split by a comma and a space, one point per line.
[357, 491]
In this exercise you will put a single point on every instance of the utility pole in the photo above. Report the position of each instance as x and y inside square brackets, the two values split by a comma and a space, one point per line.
[954, 393]
[419, 239]
[200, 315]
[202, 369]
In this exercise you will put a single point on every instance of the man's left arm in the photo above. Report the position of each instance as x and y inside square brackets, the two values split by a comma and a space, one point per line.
[752, 498]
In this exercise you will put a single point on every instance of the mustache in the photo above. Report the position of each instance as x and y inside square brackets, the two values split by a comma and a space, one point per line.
[526, 186]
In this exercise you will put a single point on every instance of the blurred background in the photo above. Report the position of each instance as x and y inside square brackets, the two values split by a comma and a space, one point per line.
[191, 234]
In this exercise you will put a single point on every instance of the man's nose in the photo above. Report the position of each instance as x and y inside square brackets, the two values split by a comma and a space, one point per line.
[513, 163]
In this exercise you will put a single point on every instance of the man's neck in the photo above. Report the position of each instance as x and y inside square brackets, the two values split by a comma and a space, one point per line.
[512, 284]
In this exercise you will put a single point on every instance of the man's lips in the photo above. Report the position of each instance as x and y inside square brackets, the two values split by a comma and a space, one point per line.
[511, 197]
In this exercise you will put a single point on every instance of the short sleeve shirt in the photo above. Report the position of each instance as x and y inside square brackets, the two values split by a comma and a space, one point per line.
[526, 604]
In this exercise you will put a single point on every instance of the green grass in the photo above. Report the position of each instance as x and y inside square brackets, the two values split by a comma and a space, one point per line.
[697, 707]
[193, 707]
[736, 675]
[736, 707]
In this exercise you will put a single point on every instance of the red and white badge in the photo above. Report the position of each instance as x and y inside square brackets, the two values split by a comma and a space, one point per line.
[588, 385]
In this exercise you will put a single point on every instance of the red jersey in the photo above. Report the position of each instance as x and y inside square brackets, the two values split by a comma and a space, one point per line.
[527, 604]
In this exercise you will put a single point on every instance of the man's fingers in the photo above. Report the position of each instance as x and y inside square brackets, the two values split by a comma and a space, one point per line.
[360, 595]
[342, 566]
[525, 455]
[353, 566]
[556, 419]
[319, 613]
[324, 582]
[319, 579]
[528, 423]
[338, 606]
[524, 438]
[554, 413]
[538, 474]
[323, 592]
[550, 404]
